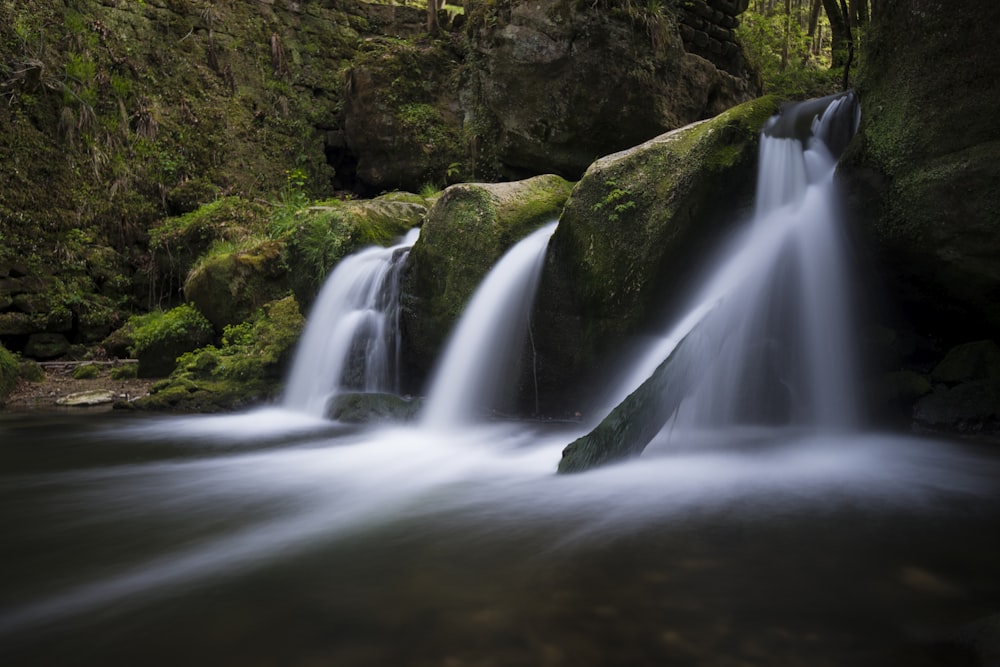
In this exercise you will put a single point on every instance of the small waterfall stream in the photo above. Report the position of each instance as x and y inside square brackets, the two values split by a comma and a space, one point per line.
[351, 339]
[480, 360]
[771, 331]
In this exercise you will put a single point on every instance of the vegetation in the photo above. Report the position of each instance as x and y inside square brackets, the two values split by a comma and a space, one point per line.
[801, 47]
[8, 373]
[245, 367]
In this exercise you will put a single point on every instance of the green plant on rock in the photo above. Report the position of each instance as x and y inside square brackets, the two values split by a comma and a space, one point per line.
[8, 373]
[86, 372]
[180, 323]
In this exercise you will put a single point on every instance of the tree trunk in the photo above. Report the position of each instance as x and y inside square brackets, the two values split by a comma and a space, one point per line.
[840, 42]
[813, 17]
[433, 27]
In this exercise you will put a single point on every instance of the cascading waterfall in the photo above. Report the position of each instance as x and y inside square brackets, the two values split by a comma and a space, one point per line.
[351, 340]
[480, 360]
[770, 334]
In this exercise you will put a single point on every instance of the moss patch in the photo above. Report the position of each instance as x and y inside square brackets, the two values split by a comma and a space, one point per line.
[245, 369]
[8, 373]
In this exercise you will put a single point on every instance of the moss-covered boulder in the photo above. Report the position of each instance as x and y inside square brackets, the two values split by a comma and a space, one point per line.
[159, 338]
[365, 408]
[923, 170]
[979, 360]
[178, 242]
[968, 407]
[8, 373]
[319, 236]
[229, 287]
[468, 229]
[245, 369]
[635, 227]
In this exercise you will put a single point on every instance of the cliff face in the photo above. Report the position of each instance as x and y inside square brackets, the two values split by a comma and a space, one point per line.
[924, 167]
[556, 84]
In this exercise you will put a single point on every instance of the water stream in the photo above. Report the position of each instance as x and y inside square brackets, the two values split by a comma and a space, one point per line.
[277, 538]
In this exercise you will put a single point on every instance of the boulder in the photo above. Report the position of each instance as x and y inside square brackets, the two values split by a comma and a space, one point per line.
[46, 346]
[635, 227]
[554, 85]
[230, 287]
[326, 233]
[468, 229]
[979, 360]
[923, 169]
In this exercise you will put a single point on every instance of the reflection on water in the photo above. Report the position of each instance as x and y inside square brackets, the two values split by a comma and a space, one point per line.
[269, 539]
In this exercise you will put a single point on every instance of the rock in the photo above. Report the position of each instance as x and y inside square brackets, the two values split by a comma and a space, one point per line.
[229, 288]
[88, 398]
[46, 346]
[971, 361]
[554, 85]
[364, 408]
[326, 233]
[469, 228]
[632, 232]
[923, 170]
[402, 118]
[982, 639]
[159, 338]
[969, 407]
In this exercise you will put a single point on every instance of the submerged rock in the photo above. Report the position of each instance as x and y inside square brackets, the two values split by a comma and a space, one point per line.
[364, 408]
[468, 229]
[635, 226]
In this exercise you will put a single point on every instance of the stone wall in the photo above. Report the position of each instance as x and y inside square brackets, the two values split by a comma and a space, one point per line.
[708, 29]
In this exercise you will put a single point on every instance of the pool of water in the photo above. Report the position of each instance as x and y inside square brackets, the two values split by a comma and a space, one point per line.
[270, 539]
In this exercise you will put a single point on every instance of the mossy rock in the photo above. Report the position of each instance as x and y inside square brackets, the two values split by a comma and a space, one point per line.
[178, 242]
[923, 169]
[324, 234]
[469, 228]
[247, 369]
[86, 372]
[31, 370]
[9, 373]
[365, 408]
[637, 226]
[46, 346]
[979, 360]
[228, 288]
[159, 338]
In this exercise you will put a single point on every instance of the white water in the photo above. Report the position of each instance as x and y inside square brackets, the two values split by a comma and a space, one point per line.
[772, 327]
[351, 340]
[479, 364]
[229, 513]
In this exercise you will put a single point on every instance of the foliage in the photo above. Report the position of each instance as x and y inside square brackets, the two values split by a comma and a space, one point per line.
[182, 323]
[777, 45]
[86, 372]
[8, 373]
[124, 372]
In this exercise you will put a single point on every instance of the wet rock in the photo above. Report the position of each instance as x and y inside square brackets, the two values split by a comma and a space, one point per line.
[365, 408]
[970, 361]
[635, 227]
[468, 229]
[968, 407]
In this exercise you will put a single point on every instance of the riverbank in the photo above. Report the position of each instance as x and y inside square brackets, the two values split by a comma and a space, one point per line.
[58, 384]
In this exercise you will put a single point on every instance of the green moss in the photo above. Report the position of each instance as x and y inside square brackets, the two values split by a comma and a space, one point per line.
[331, 230]
[8, 373]
[86, 372]
[124, 372]
[246, 368]
[31, 370]
[158, 338]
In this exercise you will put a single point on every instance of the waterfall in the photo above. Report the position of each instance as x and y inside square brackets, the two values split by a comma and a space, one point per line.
[770, 334]
[351, 340]
[480, 361]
